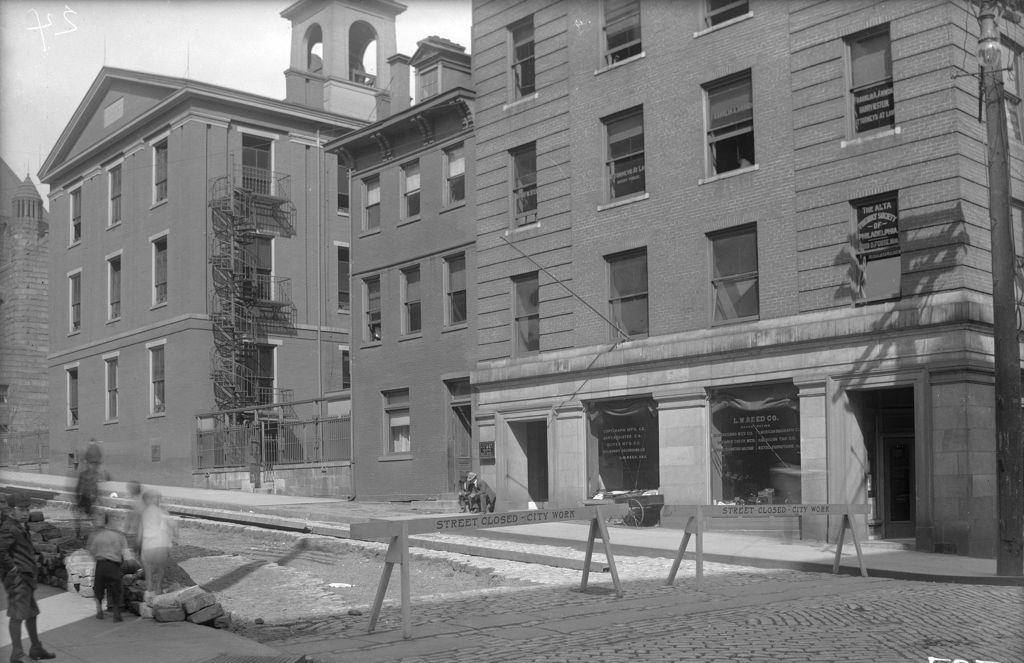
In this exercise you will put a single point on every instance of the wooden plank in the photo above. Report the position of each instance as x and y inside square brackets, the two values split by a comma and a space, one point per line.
[389, 564]
[607, 540]
[384, 528]
[769, 510]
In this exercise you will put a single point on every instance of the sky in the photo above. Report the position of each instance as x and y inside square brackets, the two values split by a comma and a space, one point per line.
[50, 53]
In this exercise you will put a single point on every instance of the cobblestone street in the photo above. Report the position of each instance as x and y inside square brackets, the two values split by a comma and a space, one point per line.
[741, 614]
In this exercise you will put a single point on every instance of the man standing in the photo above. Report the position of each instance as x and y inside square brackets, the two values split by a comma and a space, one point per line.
[19, 572]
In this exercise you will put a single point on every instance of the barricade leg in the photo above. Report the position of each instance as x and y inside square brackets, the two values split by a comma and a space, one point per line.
[599, 528]
[393, 555]
[682, 550]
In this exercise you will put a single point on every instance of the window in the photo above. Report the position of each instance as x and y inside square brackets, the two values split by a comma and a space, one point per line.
[411, 188]
[1013, 94]
[111, 378]
[160, 171]
[411, 322]
[871, 81]
[257, 164]
[621, 30]
[734, 274]
[76, 216]
[371, 294]
[371, 212]
[261, 364]
[429, 83]
[878, 248]
[160, 270]
[157, 403]
[720, 11]
[396, 418]
[522, 58]
[71, 384]
[343, 199]
[455, 289]
[526, 313]
[455, 181]
[114, 288]
[627, 293]
[625, 160]
[75, 300]
[730, 124]
[344, 287]
[346, 369]
[524, 184]
[114, 176]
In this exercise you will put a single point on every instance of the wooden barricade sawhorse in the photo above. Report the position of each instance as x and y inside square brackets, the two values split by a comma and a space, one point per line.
[698, 512]
[398, 531]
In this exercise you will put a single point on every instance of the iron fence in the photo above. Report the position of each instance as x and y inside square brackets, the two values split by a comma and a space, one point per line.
[274, 442]
[24, 448]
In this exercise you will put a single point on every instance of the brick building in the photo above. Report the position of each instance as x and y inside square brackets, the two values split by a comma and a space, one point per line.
[24, 252]
[738, 251]
[194, 260]
[412, 264]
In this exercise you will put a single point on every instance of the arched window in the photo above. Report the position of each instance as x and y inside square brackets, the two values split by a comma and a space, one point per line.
[315, 49]
[362, 54]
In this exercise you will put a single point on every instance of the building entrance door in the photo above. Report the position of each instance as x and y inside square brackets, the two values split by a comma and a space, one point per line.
[896, 453]
[528, 464]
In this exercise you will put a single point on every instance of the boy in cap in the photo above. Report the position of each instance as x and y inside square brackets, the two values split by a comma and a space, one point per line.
[19, 572]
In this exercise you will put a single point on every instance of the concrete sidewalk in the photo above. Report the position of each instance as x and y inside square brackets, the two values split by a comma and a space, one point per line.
[332, 517]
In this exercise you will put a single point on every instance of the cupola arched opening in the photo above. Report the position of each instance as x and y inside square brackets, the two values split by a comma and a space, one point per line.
[315, 48]
[362, 53]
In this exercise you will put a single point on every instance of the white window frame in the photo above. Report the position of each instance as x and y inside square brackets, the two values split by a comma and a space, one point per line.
[157, 409]
[518, 314]
[714, 281]
[851, 102]
[515, 91]
[395, 410]
[520, 190]
[433, 90]
[1013, 88]
[611, 161]
[613, 301]
[367, 205]
[709, 161]
[116, 255]
[407, 329]
[155, 143]
[273, 138]
[71, 276]
[610, 55]
[111, 400]
[73, 417]
[344, 245]
[163, 235]
[407, 191]
[117, 166]
[449, 292]
[707, 15]
[73, 195]
[367, 335]
[450, 177]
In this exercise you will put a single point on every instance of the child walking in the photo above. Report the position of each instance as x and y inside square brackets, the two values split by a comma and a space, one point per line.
[107, 546]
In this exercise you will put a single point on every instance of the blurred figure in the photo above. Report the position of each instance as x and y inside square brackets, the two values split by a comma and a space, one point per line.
[19, 571]
[134, 517]
[157, 534]
[107, 546]
[88, 487]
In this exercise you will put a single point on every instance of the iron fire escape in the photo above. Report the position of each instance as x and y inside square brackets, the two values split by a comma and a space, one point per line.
[247, 302]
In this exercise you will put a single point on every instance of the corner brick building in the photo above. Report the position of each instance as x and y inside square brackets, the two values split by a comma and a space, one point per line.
[739, 251]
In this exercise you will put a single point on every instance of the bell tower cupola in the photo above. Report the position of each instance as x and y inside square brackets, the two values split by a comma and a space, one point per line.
[339, 55]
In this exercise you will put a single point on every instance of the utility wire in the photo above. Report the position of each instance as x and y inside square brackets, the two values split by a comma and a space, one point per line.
[557, 280]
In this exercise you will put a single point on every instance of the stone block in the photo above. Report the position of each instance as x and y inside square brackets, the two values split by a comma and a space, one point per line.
[36, 517]
[223, 622]
[145, 611]
[86, 592]
[190, 593]
[160, 601]
[198, 603]
[209, 613]
[169, 614]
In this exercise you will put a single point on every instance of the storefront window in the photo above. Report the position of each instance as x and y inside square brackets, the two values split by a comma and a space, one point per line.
[625, 433]
[755, 445]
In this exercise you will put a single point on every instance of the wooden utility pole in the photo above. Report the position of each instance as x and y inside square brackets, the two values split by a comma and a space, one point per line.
[1006, 350]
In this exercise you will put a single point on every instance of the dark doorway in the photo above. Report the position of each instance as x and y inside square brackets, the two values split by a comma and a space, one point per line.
[528, 463]
[460, 431]
[886, 417]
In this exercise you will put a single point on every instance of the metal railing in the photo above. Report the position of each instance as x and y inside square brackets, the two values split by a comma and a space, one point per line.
[279, 443]
[26, 448]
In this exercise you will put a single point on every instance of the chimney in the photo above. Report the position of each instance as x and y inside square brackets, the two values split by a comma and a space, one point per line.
[400, 73]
